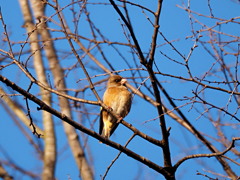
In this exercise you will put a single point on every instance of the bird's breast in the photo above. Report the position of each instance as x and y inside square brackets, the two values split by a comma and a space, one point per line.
[119, 99]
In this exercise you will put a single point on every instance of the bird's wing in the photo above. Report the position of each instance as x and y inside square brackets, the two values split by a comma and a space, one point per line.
[120, 104]
[110, 99]
[101, 121]
[114, 128]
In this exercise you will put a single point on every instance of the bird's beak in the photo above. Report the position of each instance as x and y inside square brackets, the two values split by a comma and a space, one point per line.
[123, 81]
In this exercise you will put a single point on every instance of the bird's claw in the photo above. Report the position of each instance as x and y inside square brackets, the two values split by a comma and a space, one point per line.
[109, 108]
[119, 119]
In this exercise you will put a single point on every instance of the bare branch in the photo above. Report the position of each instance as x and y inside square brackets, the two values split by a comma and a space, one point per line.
[207, 155]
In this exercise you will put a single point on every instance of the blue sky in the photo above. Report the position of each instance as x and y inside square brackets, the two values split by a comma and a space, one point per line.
[175, 25]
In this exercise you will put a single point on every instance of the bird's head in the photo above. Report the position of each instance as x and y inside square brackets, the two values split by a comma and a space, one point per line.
[116, 80]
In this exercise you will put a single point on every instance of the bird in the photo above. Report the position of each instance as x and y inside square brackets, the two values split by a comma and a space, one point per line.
[118, 99]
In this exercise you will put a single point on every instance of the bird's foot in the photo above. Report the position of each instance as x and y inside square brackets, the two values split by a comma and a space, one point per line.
[119, 119]
[109, 108]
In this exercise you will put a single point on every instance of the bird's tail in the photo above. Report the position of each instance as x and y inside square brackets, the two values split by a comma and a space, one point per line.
[106, 132]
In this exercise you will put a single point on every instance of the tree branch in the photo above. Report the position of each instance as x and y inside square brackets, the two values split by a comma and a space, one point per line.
[78, 126]
[207, 155]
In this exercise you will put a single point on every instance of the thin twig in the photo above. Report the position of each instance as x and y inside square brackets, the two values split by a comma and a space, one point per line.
[207, 155]
[115, 159]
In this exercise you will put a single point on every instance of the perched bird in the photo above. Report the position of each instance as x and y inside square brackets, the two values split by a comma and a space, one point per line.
[119, 100]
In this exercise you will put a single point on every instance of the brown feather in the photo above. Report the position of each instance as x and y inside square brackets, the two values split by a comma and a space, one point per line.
[118, 98]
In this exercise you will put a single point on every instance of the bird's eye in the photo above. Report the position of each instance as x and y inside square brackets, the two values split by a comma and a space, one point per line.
[117, 80]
